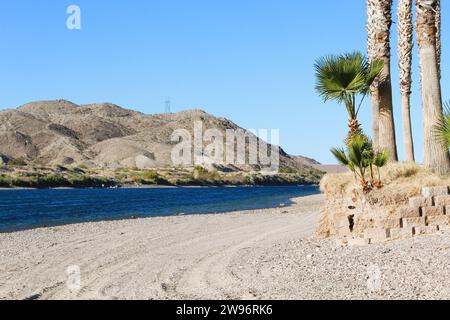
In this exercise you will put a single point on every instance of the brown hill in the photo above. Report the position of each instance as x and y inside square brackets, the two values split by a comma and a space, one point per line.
[105, 136]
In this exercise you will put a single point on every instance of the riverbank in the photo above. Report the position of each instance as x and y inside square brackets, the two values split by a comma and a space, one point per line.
[44, 177]
[256, 254]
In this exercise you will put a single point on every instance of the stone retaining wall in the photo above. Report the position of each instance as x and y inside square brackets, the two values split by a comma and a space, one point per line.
[354, 221]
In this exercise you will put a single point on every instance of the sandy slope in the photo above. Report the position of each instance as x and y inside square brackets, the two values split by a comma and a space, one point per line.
[173, 257]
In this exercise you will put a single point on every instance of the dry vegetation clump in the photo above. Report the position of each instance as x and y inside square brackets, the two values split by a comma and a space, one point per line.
[401, 181]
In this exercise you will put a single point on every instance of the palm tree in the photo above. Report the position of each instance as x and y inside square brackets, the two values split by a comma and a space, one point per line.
[436, 159]
[360, 158]
[379, 25]
[356, 159]
[405, 45]
[380, 160]
[342, 78]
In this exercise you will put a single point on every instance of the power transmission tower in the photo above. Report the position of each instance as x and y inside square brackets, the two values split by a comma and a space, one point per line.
[168, 105]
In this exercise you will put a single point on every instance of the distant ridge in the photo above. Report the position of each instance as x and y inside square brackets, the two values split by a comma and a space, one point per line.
[104, 135]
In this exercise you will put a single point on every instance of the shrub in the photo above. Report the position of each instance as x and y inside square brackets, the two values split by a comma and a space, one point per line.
[52, 180]
[200, 170]
[150, 175]
[19, 162]
[287, 170]
[5, 181]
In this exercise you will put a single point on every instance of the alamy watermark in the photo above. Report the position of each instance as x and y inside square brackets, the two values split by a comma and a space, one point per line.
[374, 278]
[237, 147]
[73, 281]
[73, 22]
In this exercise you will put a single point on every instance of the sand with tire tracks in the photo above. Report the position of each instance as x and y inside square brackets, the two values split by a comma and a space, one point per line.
[258, 254]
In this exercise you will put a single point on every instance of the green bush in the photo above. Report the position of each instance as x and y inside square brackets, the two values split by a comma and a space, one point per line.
[150, 175]
[199, 170]
[19, 162]
[52, 180]
[287, 170]
[5, 182]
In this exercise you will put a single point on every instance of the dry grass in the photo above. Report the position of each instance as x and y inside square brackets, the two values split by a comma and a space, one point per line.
[401, 181]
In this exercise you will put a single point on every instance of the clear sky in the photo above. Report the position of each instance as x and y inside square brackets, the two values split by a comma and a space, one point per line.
[248, 60]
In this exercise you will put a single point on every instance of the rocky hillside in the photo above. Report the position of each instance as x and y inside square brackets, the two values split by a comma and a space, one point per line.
[105, 136]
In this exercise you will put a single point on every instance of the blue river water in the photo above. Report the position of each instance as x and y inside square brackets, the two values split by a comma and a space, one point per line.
[27, 209]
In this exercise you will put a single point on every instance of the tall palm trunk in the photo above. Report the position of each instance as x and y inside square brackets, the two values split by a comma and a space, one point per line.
[405, 45]
[375, 110]
[436, 157]
[372, 55]
[379, 25]
[438, 35]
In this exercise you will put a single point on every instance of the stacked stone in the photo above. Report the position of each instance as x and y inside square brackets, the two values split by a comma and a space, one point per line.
[425, 214]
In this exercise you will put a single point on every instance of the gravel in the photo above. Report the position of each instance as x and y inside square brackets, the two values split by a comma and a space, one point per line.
[317, 269]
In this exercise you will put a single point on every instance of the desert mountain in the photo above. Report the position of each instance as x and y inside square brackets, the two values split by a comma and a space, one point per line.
[103, 135]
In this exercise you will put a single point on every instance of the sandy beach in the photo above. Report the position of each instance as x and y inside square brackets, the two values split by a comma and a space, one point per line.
[260, 254]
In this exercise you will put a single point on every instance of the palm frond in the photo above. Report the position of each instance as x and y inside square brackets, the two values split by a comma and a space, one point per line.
[355, 154]
[342, 77]
[372, 72]
[368, 153]
[340, 155]
[442, 129]
[381, 159]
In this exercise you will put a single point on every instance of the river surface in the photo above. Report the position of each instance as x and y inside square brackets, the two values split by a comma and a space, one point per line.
[27, 209]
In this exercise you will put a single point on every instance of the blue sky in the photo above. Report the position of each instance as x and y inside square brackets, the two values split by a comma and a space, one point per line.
[248, 60]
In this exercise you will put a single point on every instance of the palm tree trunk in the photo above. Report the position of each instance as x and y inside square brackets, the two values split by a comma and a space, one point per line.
[436, 158]
[407, 130]
[387, 140]
[405, 46]
[379, 21]
[354, 129]
[438, 35]
[372, 54]
[375, 118]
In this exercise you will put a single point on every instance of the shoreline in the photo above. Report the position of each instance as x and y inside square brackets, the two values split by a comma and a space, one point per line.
[159, 186]
[286, 203]
[72, 177]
